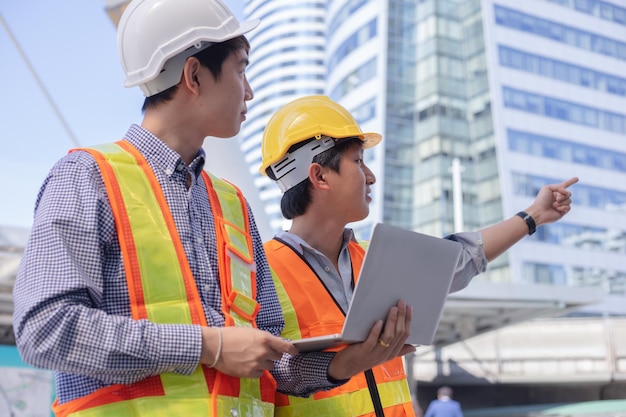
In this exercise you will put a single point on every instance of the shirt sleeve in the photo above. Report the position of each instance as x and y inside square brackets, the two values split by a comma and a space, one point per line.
[63, 320]
[305, 374]
[472, 261]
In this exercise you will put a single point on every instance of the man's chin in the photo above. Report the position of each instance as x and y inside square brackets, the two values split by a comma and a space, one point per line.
[226, 135]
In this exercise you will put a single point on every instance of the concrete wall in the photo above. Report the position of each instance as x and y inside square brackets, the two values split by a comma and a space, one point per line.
[542, 361]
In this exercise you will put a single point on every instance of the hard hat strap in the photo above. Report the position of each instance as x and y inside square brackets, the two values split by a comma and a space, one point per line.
[294, 167]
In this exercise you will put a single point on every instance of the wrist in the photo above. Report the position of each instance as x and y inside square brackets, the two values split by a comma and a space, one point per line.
[337, 370]
[529, 220]
[211, 346]
[216, 356]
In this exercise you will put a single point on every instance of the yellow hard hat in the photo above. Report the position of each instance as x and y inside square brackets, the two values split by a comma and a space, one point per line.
[305, 118]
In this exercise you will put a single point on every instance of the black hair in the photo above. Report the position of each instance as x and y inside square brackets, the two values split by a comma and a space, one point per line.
[212, 58]
[296, 200]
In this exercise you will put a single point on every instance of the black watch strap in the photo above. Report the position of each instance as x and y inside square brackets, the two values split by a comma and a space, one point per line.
[530, 222]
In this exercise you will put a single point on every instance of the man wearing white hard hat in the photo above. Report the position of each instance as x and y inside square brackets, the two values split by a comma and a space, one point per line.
[144, 284]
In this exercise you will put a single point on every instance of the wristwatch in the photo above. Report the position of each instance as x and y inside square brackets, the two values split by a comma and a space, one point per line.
[530, 222]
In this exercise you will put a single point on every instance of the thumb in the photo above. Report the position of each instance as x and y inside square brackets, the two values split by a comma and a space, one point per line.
[283, 346]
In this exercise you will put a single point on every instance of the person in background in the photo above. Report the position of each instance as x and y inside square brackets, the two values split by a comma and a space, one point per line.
[444, 405]
[313, 148]
[144, 283]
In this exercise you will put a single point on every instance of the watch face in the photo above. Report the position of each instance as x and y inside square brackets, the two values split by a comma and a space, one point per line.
[530, 222]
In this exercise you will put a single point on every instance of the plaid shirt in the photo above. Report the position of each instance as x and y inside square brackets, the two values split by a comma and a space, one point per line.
[72, 309]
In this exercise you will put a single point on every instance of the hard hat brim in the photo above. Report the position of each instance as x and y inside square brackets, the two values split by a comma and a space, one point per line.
[370, 139]
[247, 26]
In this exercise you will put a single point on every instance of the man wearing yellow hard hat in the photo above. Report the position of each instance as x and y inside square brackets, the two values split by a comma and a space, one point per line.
[313, 148]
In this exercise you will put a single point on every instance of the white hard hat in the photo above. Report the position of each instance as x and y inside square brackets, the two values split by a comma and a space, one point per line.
[155, 37]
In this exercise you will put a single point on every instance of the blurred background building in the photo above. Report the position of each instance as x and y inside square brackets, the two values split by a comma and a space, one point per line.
[480, 103]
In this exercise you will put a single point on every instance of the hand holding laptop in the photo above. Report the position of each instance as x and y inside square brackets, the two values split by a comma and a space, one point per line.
[399, 264]
[384, 342]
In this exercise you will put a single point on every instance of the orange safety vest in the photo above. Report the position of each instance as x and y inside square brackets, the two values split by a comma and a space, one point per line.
[151, 247]
[310, 310]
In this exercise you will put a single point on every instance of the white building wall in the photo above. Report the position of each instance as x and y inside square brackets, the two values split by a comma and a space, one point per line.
[538, 165]
[346, 25]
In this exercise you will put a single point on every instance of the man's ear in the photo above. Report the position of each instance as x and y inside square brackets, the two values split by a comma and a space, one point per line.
[190, 77]
[317, 176]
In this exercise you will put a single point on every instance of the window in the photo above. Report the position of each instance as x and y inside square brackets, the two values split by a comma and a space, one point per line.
[560, 33]
[561, 70]
[564, 110]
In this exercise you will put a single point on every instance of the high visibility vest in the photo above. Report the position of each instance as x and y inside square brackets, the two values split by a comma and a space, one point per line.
[310, 310]
[151, 247]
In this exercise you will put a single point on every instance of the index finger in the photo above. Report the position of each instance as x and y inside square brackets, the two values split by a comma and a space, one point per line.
[569, 182]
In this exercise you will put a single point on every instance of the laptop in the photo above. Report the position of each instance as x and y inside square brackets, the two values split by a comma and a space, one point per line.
[399, 264]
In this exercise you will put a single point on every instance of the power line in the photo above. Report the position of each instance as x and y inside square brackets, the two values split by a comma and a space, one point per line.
[42, 87]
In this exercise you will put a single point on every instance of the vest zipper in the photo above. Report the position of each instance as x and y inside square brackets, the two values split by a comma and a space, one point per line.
[373, 389]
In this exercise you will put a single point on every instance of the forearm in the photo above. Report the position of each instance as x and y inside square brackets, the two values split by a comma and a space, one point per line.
[112, 349]
[502, 236]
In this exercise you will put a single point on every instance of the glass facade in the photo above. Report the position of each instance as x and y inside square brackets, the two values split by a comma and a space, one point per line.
[598, 8]
[569, 35]
[453, 119]
[564, 110]
[563, 71]
[398, 183]
[565, 150]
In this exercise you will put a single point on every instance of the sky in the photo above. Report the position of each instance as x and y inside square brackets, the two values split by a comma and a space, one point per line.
[71, 46]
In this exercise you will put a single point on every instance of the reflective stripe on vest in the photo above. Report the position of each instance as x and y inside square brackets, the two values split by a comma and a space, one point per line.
[151, 247]
[309, 311]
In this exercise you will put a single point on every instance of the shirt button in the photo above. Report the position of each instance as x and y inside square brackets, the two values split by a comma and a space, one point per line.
[198, 240]
[479, 241]
[327, 269]
[207, 288]
[180, 167]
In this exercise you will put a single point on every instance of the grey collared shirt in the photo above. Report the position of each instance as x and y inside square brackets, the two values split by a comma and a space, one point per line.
[340, 283]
